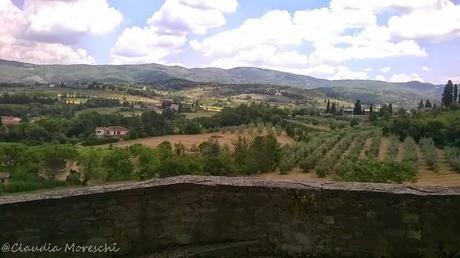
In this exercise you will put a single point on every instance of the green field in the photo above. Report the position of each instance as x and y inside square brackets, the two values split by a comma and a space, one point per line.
[100, 110]
[199, 114]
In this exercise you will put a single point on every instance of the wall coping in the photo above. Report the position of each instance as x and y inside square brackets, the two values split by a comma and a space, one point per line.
[230, 181]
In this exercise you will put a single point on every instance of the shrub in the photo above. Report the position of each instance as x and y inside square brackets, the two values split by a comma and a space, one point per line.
[260, 127]
[288, 159]
[322, 169]
[410, 154]
[356, 147]
[326, 165]
[354, 122]
[22, 186]
[392, 148]
[278, 130]
[453, 156]
[430, 153]
[286, 164]
[94, 140]
[373, 151]
[376, 171]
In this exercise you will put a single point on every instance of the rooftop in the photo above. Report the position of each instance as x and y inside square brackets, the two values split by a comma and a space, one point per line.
[4, 175]
[112, 128]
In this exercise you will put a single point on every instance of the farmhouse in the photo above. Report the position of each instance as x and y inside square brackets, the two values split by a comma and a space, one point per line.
[367, 111]
[10, 120]
[348, 111]
[111, 131]
[4, 178]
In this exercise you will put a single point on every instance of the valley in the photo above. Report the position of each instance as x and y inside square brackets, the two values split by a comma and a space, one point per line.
[67, 128]
[157, 76]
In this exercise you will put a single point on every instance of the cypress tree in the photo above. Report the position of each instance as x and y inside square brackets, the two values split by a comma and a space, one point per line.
[390, 108]
[447, 95]
[333, 108]
[428, 104]
[328, 107]
[455, 93]
[420, 105]
[357, 109]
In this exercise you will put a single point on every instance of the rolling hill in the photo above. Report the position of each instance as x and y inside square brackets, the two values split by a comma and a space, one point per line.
[407, 93]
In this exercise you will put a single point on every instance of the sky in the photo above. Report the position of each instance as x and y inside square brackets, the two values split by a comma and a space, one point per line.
[390, 40]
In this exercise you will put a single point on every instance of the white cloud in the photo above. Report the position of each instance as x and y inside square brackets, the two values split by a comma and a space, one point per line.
[322, 27]
[326, 26]
[265, 55]
[13, 21]
[191, 16]
[439, 21]
[144, 45]
[426, 69]
[385, 69]
[273, 29]
[344, 73]
[377, 6]
[371, 50]
[67, 21]
[401, 77]
[45, 53]
[342, 32]
[380, 77]
[166, 32]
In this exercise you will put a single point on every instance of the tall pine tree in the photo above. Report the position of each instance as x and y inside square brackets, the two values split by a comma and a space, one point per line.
[328, 107]
[447, 95]
[428, 104]
[357, 109]
[333, 108]
[455, 93]
[420, 105]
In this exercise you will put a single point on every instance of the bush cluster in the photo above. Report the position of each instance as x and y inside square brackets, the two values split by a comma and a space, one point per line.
[370, 170]
[429, 149]
[453, 156]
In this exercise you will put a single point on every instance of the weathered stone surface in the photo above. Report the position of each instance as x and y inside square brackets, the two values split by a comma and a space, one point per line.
[240, 217]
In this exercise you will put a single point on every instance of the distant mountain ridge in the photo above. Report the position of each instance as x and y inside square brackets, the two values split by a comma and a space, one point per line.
[13, 71]
[25, 72]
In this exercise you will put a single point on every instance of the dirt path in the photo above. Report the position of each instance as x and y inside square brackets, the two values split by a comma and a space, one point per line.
[421, 162]
[444, 167]
[383, 148]
[444, 177]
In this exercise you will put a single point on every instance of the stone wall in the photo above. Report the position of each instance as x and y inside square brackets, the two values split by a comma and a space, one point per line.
[238, 217]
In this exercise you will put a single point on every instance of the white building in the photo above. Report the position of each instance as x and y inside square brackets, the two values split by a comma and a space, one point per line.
[111, 131]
